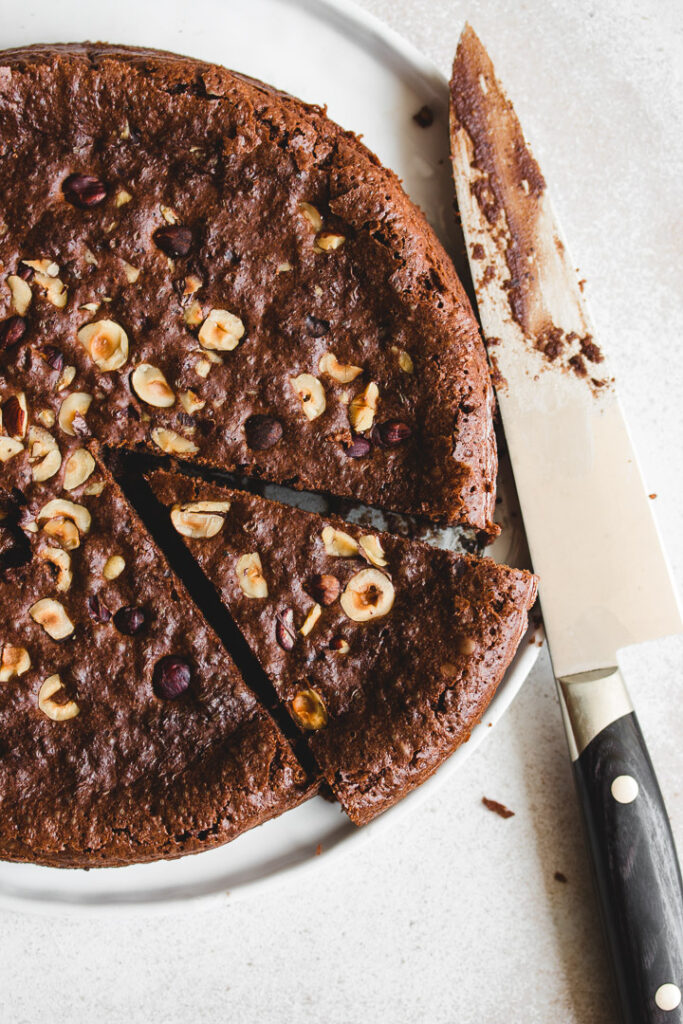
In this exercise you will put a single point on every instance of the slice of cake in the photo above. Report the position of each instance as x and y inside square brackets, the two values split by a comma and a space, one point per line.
[194, 262]
[126, 732]
[386, 652]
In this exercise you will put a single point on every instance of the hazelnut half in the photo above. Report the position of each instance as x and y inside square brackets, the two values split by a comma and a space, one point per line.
[328, 241]
[371, 549]
[79, 467]
[44, 454]
[221, 330]
[339, 544]
[21, 294]
[363, 408]
[57, 712]
[61, 508]
[75, 404]
[309, 710]
[311, 214]
[199, 519]
[250, 576]
[61, 560]
[311, 619]
[368, 595]
[172, 443]
[14, 662]
[106, 343]
[9, 447]
[311, 393]
[150, 385]
[51, 615]
[342, 372]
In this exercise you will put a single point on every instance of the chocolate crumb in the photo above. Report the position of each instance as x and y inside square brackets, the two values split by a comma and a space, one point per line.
[318, 849]
[560, 877]
[424, 117]
[497, 378]
[652, 496]
[500, 809]
[478, 251]
[578, 366]
[590, 350]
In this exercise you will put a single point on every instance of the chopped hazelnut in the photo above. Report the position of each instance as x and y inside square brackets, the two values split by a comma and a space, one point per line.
[363, 408]
[75, 404]
[310, 213]
[311, 393]
[113, 567]
[44, 454]
[311, 619]
[106, 343]
[221, 331]
[79, 467]
[61, 560]
[57, 712]
[51, 615]
[368, 595]
[342, 372]
[250, 576]
[172, 443]
[339, 544]
[371, 549]
[21, 294]
[309, 710]
[150, 385]
[199, 519]
[14, 662]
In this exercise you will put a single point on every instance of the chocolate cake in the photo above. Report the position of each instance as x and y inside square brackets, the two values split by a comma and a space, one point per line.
[194, 264]
[226, 275]
[386, 652]
[126, 731]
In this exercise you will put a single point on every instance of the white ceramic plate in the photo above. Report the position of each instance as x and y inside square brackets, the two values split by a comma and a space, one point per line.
[325, 51]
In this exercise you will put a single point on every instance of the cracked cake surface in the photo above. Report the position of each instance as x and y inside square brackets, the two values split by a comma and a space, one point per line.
[386, 652]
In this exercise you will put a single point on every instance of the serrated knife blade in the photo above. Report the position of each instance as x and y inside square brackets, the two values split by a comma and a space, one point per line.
[604, 580]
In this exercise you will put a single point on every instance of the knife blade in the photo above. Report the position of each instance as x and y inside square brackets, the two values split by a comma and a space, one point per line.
[604, 580]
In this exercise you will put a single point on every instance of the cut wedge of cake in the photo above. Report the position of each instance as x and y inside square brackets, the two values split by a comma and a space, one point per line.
[194, 262]
[386, 652]
[126, 731]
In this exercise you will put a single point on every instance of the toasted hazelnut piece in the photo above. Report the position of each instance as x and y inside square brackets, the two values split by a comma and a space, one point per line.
[192, 284]
[311, 215]
[47, 418]
[221, 331]
[312, 394]
[46, 272]
[57, 712]
[203, 367]
[14, 416]
[363, 408]
[339, 645]
[283, 268]
[328, 241]
[405, 361]
[123, 197]
[61, 508]
[64, 531]
[213, 357]
[193, 315]
[9, 447]
[44, 454]
[339, 544]
[371, 549]
[172, 443]
[61, 559]
[50, 614]
[106, 343]
[132, 273]
[21, 294]
[249, 575]
[66, 378]
[311, 619]
[342, 372]
[368, 595]
[75, 404]
[113, 567]
[47, 267]
[150, 385]
[94, 488]
[169, 214]
[199, 519]
[14, 662]
[191, 402]
[309, 710]
[79, 466]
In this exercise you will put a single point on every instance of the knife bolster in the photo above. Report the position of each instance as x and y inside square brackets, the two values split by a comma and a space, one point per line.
[590, 702]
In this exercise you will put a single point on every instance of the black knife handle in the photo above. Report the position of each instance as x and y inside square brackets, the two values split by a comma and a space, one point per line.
[637, 873]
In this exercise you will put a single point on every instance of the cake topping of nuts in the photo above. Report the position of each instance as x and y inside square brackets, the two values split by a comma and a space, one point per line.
[363, 408]
[61, 560]
[199, 519]
[173, 240]
[46, 278]
[262, 432]
[51, 615]
[311, 619]
[21, 294]
[129, 620]
[405, 361]
[285, 634]
[172, 677]
[79, 466]
[113, 567]
[324, 588]
[106, 342]
[371, 549]
[311, 393]
[74, 405]
[339, 544]
[328, 241]
[339, 645]
[66, 378]
[368, 595]
[311, 214]
[14, 662]
[172, 443]
[191, 402]
[309, 710]
[58, 712]
[221, 331]
[84, 190]
[193, 315]
[44, 454]
[64, 531]
[150, 385]
[342, 372]
[9, 447]
[250, 575]
[61, 508]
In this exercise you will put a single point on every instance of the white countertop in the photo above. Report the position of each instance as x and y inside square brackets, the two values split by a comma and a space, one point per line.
[456, 916]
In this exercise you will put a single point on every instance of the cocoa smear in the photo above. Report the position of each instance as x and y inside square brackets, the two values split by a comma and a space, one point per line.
[500, 809]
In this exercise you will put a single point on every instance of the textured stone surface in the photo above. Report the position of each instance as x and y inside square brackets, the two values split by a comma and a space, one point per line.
[456, 916]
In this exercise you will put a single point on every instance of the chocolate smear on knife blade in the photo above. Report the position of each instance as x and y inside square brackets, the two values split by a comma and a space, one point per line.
[510, 190]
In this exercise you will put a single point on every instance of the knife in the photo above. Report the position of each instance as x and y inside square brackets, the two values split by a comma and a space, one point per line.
[605, 583]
